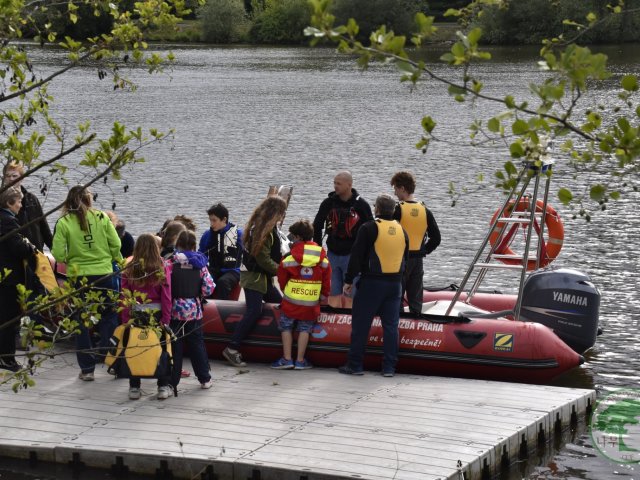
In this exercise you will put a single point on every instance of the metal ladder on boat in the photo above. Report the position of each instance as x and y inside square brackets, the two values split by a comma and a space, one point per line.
[530, 172]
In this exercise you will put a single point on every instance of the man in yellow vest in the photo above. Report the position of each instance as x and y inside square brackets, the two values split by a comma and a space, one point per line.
[379, 255]
[424, 236]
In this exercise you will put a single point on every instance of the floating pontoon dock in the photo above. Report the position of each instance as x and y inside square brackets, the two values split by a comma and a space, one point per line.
[267, 424]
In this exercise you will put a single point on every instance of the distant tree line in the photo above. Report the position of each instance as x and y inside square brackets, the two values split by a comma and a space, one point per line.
[520, 22]
[530, 21]
[283, 21]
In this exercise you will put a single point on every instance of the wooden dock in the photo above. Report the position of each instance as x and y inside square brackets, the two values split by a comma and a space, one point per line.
[267, 424]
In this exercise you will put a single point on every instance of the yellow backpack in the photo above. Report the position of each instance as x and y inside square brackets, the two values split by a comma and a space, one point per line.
[140, 351]
[44, 271]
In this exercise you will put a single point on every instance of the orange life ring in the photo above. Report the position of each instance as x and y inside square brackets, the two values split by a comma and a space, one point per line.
[554, 230]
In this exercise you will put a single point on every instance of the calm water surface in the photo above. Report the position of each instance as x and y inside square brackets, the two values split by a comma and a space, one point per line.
[245, 118]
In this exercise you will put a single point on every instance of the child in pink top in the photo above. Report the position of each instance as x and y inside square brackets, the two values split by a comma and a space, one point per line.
[150, 275]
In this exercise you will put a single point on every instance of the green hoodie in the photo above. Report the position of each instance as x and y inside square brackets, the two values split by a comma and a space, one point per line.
[86, 253]
[258, 281]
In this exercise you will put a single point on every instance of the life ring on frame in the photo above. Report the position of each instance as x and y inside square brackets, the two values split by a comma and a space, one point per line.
[554, 230]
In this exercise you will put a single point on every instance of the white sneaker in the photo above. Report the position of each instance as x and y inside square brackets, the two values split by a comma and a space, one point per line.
[87, 377]
[206, 385]
[134, 393]
[164, 392]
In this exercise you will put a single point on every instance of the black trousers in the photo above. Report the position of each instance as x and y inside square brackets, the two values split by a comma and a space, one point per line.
[10, 309]
[225, 283]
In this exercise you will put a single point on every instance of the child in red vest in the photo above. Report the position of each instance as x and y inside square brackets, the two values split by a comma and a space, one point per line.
[304, 277]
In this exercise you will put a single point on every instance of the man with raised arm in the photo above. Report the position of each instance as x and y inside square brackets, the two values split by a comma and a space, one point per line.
[340, 216]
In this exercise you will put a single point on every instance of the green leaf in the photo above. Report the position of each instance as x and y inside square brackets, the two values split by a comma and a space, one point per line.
[509, 101]
[597, 192]
[493, 125]
[458, 50]
[516, 150]
[630, 83]
[510, 168]
[623, 123]
[565, 196]
[615, 195]
[520, 127]
[474, 36]
[405, 66]
[428, 124]
[455, 90]
[447, 57]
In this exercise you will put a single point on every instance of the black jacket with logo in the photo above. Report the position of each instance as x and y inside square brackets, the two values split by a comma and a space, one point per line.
[340, 221]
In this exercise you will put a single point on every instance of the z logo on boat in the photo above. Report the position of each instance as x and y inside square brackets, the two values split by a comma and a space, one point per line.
[503, 342]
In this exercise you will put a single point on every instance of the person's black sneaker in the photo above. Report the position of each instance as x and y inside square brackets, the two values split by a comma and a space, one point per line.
[388, 373]
[10, 364]
[347, 370]
[233, 357]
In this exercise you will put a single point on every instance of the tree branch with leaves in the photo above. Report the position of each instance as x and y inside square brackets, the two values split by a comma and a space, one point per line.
[31, 135]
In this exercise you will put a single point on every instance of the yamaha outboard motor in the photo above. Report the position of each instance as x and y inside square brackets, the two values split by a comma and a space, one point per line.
[566, 301]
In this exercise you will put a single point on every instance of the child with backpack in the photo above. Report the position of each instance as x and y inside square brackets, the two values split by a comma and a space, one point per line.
[304, 277]
[190, 283]
[150, 275]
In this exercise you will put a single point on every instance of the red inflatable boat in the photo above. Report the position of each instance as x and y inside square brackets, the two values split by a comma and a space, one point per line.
[495, 349]
[559, 320]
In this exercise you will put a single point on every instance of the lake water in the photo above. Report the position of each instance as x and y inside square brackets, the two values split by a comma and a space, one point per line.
[246, 118]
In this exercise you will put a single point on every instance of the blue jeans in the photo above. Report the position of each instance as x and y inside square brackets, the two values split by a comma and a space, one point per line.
[376, 296]
[339, 265]
[107, 324]
[190, 332]
[252, 313]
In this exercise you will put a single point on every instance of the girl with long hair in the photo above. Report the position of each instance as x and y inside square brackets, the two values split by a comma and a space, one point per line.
[150, 275]
[85, 239]
[261, 256]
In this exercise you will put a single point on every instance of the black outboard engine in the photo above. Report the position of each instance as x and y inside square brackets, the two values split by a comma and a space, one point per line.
[566, 301]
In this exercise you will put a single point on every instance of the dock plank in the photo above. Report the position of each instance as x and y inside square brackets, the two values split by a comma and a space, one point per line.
[315, 423]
